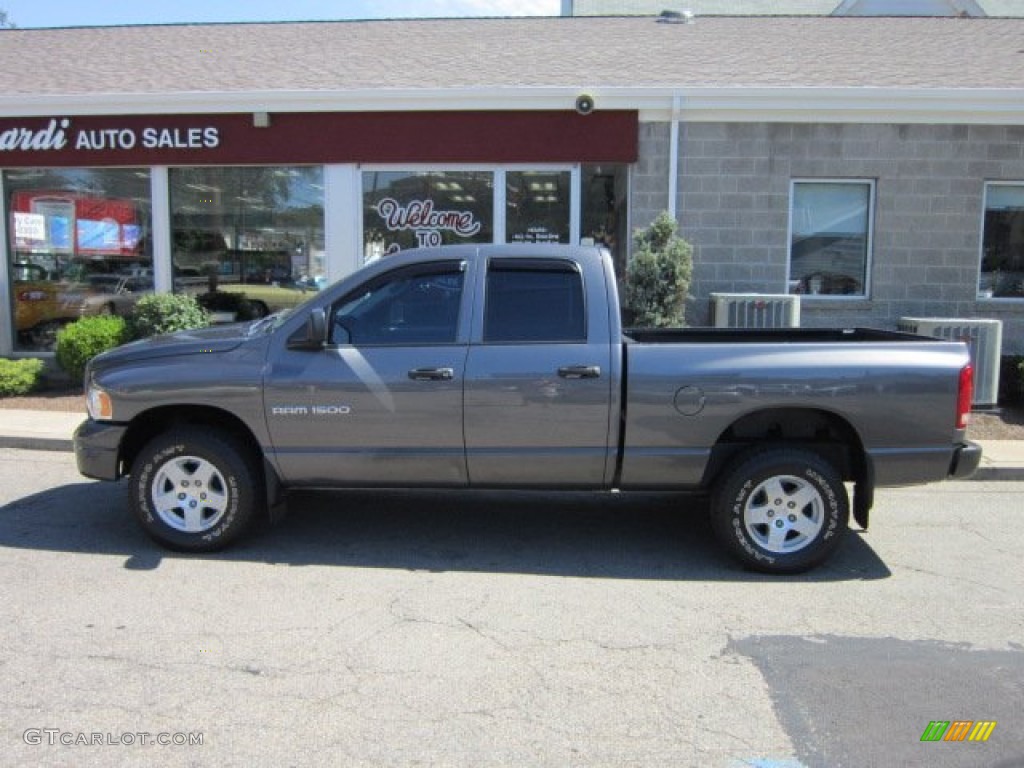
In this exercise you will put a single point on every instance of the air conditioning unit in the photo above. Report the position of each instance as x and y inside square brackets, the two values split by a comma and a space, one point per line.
[755, 310]
[984, 343]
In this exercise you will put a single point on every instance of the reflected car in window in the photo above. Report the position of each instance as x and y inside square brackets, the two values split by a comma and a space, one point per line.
[114, 294]
[43, 304]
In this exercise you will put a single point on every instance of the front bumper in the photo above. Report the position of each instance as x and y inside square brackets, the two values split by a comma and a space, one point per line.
[98, 449]
[966, 458]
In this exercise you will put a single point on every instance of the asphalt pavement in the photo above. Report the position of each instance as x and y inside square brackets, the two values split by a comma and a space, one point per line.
[52, 431]
[490, 630]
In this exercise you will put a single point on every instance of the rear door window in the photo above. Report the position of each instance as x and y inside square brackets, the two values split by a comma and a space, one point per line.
[534, 300]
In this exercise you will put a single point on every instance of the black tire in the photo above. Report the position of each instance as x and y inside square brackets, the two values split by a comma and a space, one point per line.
[781, 510]
[195, 490]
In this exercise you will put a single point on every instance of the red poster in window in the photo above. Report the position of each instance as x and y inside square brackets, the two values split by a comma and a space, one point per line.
[61, 222]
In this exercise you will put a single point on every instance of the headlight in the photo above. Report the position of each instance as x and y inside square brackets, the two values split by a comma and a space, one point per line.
[99, 404]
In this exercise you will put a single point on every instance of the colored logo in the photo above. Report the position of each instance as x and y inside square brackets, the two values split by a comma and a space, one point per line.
[958, 730]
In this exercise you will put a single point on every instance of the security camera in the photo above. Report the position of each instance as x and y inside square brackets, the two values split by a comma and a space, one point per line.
[584, 104]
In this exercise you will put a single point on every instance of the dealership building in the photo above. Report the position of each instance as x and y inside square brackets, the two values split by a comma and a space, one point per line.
[871, 167]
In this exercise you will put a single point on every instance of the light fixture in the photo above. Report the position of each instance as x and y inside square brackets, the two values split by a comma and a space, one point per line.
[261, 119]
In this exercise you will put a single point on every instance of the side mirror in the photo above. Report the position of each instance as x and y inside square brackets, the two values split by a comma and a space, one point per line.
[313, 335]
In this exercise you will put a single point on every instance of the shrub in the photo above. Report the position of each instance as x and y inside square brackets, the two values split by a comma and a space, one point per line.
[658, 275]
[80, 341]
[19, 377]
[165, 313]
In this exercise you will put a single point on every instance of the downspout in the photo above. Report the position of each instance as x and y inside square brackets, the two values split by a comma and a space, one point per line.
[673, 156]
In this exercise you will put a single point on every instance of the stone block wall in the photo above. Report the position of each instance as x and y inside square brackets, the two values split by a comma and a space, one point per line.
[734, 188]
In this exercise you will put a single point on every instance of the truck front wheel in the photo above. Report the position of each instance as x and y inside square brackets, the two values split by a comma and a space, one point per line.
[781, 510]
[194, 490]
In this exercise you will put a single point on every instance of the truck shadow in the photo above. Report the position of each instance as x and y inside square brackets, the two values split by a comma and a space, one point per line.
[645, 536]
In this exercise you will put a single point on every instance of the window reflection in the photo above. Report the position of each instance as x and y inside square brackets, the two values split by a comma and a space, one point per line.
[1002, 262]
[604, 211]
[258, 231]
[74, 232]
[831, 228]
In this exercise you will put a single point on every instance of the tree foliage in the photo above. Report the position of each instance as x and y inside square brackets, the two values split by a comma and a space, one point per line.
[658, 275]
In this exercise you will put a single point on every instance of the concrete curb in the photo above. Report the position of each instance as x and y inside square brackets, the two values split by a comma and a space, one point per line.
[1001, 474]
[28, 443]
[38, 430]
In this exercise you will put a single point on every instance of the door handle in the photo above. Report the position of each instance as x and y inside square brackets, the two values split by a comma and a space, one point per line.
[432, 374]
[580, 372]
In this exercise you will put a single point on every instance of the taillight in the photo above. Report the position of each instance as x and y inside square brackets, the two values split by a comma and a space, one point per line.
[964, 396]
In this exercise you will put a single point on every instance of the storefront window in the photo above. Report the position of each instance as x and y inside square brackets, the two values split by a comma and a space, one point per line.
[414, 209]
[80, 244]
[537, 206]
[604, 216]
[1002, 259]
[257, 231]
[831, 235]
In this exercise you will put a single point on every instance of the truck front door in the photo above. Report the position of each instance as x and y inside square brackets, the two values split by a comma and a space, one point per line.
[381, 405]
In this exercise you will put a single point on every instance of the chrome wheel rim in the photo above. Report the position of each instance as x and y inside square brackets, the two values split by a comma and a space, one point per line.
[784, 514]
[189, 494]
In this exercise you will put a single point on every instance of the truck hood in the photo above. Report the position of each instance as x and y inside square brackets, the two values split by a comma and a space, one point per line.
[203, 341]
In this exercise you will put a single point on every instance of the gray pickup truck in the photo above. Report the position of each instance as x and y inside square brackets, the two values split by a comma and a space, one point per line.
[506, 367]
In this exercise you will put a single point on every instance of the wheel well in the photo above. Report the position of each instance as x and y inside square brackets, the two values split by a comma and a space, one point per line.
[150, 423]
[823, 432]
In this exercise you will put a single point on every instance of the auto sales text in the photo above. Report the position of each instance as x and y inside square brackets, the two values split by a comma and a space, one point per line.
[59, 134]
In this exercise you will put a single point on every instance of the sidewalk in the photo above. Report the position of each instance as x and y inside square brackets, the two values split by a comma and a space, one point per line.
[51, 431]
[38, 430]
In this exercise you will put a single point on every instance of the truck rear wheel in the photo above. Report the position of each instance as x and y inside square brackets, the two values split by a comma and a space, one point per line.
[195, 490]
[781, 510]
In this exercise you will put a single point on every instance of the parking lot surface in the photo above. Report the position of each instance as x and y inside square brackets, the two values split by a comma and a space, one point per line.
[503, 629]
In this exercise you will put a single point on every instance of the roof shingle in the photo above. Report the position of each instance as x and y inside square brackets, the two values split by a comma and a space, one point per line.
[722, 52]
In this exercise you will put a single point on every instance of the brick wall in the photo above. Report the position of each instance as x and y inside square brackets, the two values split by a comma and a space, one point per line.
[734, 207]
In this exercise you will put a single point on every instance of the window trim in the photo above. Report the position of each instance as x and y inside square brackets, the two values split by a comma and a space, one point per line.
[1014, 301]
[865, 295]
